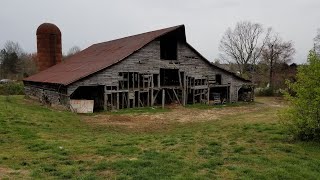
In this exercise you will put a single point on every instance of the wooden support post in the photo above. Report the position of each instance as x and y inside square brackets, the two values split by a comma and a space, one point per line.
[118, 101]
[159, 80]
[105, 106]
[184, 93]
[128, 80]
[134, 99]
[138, 90]
[148, 87]
[132, 80]
[152, 86]
[163, 98]
[128, 100]
[208, 95]
[122, 100]
[180, 82]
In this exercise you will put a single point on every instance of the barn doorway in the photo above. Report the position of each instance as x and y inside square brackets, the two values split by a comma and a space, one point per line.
[95, 93]
[245, 93]
[221, 93]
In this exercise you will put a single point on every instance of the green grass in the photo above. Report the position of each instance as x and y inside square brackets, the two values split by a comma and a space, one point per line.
[41, 143]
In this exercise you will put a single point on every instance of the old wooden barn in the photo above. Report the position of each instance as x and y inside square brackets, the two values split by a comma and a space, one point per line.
[152, 68]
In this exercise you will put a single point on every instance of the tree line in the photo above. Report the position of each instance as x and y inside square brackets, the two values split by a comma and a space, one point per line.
[259, 54]
[17, 64]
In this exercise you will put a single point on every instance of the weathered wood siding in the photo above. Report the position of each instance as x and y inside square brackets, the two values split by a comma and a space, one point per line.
[147, 60]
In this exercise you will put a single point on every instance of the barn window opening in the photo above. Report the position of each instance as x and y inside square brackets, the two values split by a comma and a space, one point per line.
[218, 79]
[169, 77]
[168, 49]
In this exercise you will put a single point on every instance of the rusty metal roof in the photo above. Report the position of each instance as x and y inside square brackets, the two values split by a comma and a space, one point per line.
[102, 55]
[97, 57]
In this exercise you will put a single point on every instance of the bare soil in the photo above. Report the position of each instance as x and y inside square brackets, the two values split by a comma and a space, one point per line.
[178, 114]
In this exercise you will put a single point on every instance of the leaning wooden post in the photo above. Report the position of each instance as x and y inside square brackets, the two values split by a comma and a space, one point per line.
[163, 98]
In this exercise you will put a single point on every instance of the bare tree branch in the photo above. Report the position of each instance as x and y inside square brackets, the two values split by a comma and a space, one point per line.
[243, 45]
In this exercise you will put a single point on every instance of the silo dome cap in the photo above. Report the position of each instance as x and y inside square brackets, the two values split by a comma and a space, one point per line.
[48, 28]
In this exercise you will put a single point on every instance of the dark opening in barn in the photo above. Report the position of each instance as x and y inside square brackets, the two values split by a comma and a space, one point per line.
[245, 93]
[95, 93]
[219, 94]
[218, 79]
[169, 77]
[168, 49]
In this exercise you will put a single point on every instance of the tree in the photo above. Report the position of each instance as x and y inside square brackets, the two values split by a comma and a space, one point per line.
[72, 51]
[15, 63]
[302, 119]
[276, 52]
[13, 47]
[243, 45]
[9, 63]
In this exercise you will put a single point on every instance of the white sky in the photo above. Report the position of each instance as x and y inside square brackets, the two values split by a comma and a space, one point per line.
[83, 23]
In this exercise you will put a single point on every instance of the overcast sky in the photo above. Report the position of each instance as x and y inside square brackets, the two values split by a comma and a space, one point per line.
[84, 23]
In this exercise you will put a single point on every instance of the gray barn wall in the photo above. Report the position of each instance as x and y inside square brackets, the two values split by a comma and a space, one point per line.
[45, 95]
[147, 60]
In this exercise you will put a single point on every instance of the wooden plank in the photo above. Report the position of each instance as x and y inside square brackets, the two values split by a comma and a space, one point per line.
[208, 95]
[134, 100]
[118, 101]
[163, 98]
[184, 93]
[122, 100]
[180, 79]
[152, 85]
[176, 96]
[155, 97]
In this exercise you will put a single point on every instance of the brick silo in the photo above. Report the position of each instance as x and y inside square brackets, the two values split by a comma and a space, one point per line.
[49, 49]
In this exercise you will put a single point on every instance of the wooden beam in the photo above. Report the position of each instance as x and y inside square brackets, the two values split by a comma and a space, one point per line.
[138, 89]
[184, 93]
[180, 79]
[208, 95]
[159, 80]
[152, 85]
[176, 95]
[155, 97]
[118, 101]
[134, 99]
[122, 100]
[163, 98]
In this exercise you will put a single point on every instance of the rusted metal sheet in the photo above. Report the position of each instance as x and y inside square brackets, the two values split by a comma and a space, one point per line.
[97, 57]
[81, 106]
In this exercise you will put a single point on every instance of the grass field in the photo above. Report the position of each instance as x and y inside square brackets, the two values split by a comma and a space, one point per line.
[232, 142]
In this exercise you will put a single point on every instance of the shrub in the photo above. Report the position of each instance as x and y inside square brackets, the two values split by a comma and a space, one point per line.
[265, 92]
[302, 118]
[12, 88]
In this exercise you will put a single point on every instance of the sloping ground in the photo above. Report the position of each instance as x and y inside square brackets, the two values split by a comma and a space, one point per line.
[243, 141]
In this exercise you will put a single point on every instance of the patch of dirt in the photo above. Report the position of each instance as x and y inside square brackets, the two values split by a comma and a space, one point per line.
[178, 114]
[9, 173]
